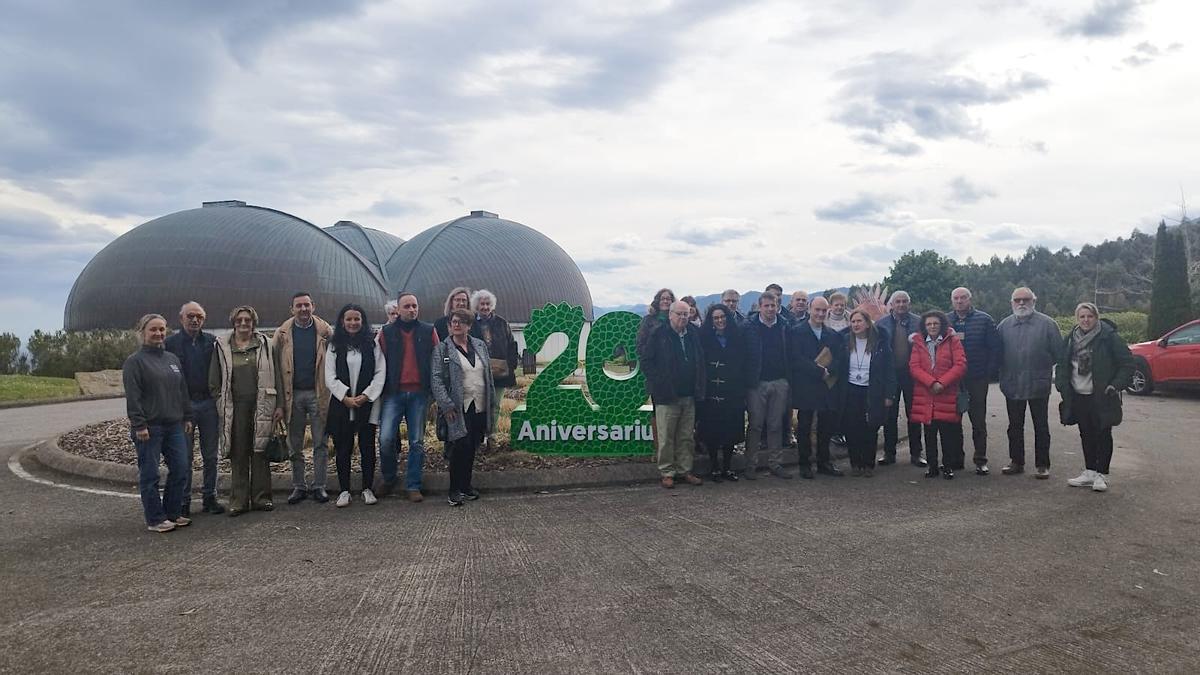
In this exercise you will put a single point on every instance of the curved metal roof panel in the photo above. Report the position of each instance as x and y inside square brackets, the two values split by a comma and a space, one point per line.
[523, 267]
[222, 255]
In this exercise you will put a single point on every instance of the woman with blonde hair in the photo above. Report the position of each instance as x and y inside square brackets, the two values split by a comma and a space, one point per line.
[246, 385]
[459, 298]
[160, 414]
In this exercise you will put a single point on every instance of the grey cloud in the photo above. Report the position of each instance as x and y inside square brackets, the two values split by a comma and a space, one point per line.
[26, 227]
[963, 191]
[863, 208]
[893, 95]
[712, 233]
[394, 208]
[602, 265]
[1003, 233]
[1145, 53]
[1106, 18]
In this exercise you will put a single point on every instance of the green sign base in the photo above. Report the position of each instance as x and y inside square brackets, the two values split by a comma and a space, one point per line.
[612, 418]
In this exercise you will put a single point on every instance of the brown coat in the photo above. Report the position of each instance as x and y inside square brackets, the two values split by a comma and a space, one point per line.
[282, 346]
[220, 383]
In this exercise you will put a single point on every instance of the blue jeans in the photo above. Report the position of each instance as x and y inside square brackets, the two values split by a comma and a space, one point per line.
[166, 444]
[409, 406]
[204, 414]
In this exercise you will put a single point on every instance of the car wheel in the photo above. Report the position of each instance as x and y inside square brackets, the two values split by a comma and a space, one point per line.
[1141, 383]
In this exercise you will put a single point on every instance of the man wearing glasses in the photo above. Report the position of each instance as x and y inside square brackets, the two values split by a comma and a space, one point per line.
[194, 348]
[1029, 343]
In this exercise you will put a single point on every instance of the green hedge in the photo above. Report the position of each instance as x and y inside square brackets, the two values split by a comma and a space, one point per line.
[62, 353]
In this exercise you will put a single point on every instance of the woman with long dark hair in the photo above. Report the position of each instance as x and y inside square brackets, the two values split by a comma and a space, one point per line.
[354, 373]
[938, 363]
[869, 382]
[656, 316]
[721, 415]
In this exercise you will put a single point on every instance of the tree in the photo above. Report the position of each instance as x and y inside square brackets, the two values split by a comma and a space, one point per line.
[1171, 295]
[927, 277]
[10, 350]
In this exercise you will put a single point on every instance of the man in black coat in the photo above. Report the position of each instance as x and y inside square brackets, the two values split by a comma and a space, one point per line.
[194, 348]
[813, 386]
[673, 363]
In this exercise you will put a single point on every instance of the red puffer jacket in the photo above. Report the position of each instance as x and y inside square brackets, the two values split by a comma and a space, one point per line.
[950, 367]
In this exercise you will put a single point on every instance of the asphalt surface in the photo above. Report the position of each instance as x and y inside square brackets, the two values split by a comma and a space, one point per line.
[891, 574]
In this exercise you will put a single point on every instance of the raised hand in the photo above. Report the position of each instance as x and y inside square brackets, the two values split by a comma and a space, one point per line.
[873, 301]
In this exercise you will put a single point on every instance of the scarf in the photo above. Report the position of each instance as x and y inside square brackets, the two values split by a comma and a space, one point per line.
[1081, 349]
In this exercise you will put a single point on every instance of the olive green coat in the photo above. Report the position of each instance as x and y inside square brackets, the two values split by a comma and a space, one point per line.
[1112, 365]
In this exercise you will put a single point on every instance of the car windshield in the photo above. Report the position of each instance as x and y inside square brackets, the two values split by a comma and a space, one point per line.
[1187, 336]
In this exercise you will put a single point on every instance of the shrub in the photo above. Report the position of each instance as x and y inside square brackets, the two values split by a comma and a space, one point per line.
[10, 352]
[62, 353]
[1131, 326]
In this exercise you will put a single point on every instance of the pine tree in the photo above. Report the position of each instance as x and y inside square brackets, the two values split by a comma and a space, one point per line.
[1170, 300]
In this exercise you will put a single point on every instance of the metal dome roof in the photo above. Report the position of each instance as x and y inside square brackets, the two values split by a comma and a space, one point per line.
[375, 246]
[222, 255]
[523, 267]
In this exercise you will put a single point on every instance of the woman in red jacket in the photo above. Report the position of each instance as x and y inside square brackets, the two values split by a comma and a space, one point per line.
[936, 371]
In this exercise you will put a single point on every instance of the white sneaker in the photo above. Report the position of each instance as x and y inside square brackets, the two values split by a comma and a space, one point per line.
[1084, 479]
[343, 499]
[368, 497]
[1101, 483]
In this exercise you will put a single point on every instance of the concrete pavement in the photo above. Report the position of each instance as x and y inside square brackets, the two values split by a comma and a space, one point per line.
[890, 574]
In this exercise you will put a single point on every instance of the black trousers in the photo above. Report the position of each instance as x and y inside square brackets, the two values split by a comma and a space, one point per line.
[804, 423]
[1038, 410]
[891, 432]
[952, 444]
[343, 446]
[861, 436]
[720, 459]
[462, 451]
[1097, 440]
[977, 392]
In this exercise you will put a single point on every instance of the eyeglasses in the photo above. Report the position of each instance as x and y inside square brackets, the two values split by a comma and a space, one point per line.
[457, 322]
[1022, 300]
[194, 316]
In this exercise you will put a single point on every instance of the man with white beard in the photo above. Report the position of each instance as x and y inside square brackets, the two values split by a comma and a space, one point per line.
[1030, 342]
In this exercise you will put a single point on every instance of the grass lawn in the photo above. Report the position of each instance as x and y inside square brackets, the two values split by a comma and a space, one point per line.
[30, 388]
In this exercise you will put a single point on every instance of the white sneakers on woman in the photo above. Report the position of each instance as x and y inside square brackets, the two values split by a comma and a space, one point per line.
[343, 499]
[1084, 479]
[1093, 479]
[369, 497]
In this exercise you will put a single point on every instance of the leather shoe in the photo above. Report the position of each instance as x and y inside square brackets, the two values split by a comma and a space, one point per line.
[211, 505]
[829, 469]
[1012, 470]
[298, 495]
[932, 472]
[320, 495]
[887, 459]
[918, 461]
[668, 482]
[692, 479]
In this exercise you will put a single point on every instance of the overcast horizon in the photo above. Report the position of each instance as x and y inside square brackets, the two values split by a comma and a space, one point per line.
[696, 145]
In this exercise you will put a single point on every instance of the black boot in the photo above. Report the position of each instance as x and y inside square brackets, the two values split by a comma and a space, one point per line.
[211, 505]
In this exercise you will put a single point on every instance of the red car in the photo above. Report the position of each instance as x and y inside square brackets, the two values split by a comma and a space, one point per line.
[1172, 360]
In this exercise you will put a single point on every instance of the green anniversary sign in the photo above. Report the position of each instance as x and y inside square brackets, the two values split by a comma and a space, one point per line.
[609, 416]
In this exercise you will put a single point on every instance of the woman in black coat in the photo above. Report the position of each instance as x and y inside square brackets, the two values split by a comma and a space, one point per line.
[868, 382]
[721, 416]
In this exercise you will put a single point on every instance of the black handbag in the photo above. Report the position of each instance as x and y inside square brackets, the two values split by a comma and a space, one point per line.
[443, 427]
[277, 449]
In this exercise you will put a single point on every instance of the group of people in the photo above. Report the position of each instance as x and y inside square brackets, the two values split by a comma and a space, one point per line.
[729, 378]
[344, 383]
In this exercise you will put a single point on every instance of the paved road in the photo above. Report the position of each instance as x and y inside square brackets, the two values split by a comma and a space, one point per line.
[895, 573]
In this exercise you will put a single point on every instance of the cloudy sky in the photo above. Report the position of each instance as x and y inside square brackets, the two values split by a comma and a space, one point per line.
[698, 145]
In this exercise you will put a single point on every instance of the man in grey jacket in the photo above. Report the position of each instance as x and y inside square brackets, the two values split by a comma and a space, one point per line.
[1029, 342]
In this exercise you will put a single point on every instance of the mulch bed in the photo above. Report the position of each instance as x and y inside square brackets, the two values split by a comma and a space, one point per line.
[109, 442]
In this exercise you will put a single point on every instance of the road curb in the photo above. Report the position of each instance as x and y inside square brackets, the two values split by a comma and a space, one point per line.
[6, 405]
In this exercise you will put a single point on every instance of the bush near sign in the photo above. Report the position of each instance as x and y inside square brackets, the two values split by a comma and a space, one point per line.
[610, 416]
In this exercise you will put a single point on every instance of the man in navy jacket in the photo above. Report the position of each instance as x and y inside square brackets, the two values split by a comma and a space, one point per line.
[981, 342]
[812, 394]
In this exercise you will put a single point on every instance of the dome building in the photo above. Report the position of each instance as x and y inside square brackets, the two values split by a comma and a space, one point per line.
[222, 255]
[230, 253]
[523, 267]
